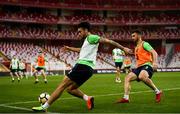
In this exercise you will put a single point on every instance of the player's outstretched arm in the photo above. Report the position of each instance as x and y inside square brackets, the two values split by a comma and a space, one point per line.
[72, 48]
[105, 40]
[154, 57]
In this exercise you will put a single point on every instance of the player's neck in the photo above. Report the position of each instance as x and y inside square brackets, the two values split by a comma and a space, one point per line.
[139, 42]
[87, 35]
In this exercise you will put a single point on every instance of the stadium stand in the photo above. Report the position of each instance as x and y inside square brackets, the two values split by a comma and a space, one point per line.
[55, 20]
[29, 53]
[121, 34]
[121, 18]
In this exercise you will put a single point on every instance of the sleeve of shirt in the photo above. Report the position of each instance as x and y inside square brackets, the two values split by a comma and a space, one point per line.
[93, 39]
[147, 46]
[46, 59]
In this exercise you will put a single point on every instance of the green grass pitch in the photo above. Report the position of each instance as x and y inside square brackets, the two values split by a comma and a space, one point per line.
[21, 97]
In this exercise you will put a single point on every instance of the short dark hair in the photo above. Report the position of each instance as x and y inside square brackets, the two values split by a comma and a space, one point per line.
[85, 25]
[136, 31]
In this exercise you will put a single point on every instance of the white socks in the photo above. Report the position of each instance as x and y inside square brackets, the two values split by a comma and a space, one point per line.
[45, 106]
[126, 97]
[157, 91]
[85, 97]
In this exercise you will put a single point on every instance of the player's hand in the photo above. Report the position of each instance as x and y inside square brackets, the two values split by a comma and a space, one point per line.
[155, 66]
[128, 51]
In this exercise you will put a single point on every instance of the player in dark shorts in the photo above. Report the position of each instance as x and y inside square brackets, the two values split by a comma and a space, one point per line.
[22, 68]
[118, 56]
[14, 68]
[83, 69]
[146, 60]
[40, 67]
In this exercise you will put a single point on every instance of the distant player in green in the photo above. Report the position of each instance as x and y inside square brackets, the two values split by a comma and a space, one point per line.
[118, 56]
[14, 68]
[22, 68]
[83, 69]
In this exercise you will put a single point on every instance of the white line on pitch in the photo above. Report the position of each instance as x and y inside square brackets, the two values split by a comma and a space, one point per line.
[7, 105]
[15, 107]
[170, 89]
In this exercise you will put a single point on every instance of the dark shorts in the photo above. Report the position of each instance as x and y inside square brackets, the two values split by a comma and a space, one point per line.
[147, 68]
[40, 68]
[118, 64]
[22, 70]
[14, 70]
[80, 73]
[128, 67]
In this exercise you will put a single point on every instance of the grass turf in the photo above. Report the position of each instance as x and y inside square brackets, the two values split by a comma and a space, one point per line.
[21, 97]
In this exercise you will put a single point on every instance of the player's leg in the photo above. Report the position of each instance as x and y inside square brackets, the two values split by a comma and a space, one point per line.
[44, 75]
[20, 73]
[35, 76]
[62, 86]
[55, 95]
[12, 76]
[127, 69]
[130, 77]
[75, 91]
[16, 74]
[118, 80]
[144, 76]
[24, 73]
[79, 75]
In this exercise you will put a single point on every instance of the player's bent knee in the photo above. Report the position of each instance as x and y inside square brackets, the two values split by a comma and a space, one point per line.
[130, 76]
[142, 77]
[69, 90]
[127, 79]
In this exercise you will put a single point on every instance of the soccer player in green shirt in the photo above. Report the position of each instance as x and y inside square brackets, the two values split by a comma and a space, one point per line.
[14, 68]
[83, 69]
[118, 57]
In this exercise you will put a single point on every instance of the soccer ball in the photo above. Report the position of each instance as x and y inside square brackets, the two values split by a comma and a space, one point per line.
[43, 97]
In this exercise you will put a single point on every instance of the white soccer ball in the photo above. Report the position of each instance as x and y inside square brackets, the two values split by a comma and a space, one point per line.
[43, 97]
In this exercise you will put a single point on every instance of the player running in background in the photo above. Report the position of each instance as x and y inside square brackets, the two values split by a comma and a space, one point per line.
[14, 68]
[118, 56]
[22, 68]
[127, 64]
[146, 60]
[83, 69]
[40, 67]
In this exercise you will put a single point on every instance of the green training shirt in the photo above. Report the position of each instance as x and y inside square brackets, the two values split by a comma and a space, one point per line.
[88, 51]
